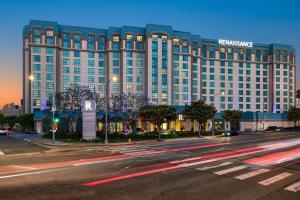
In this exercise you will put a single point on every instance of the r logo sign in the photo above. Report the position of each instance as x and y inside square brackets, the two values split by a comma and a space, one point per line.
[89, 106]
[180, 117]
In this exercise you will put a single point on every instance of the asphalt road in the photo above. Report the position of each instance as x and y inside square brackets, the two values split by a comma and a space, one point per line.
[11, 145]
[243, 167]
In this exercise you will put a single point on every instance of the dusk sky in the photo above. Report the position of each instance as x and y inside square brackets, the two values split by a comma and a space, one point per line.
[268, 21]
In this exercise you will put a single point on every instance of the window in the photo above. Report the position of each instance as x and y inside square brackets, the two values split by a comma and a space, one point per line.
[50, 85]
[66, 70]
[49, 59]
[77, 41]
[66, 61]
[101, 72]
[36, 85]
[91, 71]
[76, 79]
[101, 55]
[37, 58]
[116, 55]
[101, 63]
[91, 63]
[76, 70]
[204, 51]
[76, 62]
[211, 52]
[77, 54]
[91, 54]
[49, 76]
[49, 68]
[116, 63]
[277, 55]
[36, 67]
[101, 43]
[66, 53]
[49, 50]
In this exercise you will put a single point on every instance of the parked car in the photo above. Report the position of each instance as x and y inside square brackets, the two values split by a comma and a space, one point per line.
[30, 131]
[279, 129]
[4, 131]
[230, 133]
[271, 128]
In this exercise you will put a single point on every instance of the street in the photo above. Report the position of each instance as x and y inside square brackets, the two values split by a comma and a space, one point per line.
[251, 166]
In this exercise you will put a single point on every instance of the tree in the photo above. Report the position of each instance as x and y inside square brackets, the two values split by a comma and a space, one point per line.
[72, 99]
[11, 121]
[131, 105]
[26, 121]
[157, 115]
[201, 112]
[2, 119]
[233, 116]
[294, 114]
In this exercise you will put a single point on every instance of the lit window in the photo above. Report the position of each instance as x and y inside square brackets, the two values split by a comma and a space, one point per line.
[49, 33]
[129, 37]
[116, 38]
[139, 38]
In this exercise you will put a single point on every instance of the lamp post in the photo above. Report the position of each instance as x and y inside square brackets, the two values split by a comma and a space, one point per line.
[31, 78]
[53, 116]
[113, 79]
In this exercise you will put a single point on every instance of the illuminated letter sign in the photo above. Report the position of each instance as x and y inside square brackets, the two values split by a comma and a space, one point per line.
[180, 117]
[88, 106]
[235, 43]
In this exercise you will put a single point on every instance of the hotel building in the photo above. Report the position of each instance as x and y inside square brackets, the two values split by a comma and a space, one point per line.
[168, 66]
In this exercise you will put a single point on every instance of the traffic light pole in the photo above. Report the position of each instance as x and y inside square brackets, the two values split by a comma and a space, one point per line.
[53, 120]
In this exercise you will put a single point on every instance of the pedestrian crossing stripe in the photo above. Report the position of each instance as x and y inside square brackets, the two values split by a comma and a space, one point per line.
[214, 166]
[226, 171]
[275, 179]
[251, 174]
[294, 187]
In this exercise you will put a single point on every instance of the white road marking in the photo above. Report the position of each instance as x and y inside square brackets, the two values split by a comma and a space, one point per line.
[29, 173]
[294, 187]
[1, 153]
[275, 179]
[27, 140]
[251, 174]
[226, 171]
[214, 166]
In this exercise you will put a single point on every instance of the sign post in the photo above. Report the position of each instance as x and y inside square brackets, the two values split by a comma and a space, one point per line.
[89, 120]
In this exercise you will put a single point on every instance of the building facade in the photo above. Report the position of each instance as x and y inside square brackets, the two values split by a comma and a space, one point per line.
[169, 67]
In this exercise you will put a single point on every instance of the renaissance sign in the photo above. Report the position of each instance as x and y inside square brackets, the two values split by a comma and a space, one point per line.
[89, 120]
[235, 43]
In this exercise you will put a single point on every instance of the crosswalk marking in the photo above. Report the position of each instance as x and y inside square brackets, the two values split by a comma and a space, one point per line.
[294, 187]
[275, 179]
[214, 166]
[251, 174]
[226, 171]
[1, 153]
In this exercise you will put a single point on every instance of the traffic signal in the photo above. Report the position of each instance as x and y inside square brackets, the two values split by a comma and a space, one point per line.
[56, 120]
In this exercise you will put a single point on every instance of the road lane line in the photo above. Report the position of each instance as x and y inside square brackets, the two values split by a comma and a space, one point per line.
[294, 187]
[251, 174]
[29, 173]
[1, 153]
[275, 179]
[214, 166]
[234, 169]
[184, 165]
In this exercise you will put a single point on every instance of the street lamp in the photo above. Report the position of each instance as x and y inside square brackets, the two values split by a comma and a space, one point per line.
[31, 78]
[113, 79]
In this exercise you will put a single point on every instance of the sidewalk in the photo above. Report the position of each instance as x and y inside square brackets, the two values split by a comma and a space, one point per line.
[39, 140]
